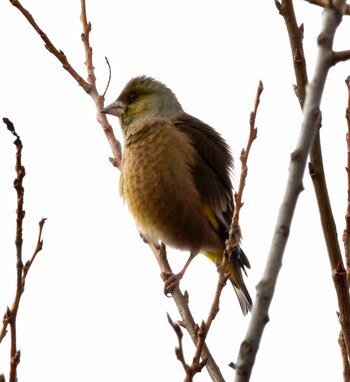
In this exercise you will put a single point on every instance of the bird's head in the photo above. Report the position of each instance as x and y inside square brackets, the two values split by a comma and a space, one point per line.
[143, 98]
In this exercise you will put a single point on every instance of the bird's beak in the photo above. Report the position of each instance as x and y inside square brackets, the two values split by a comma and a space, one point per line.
[116, 108]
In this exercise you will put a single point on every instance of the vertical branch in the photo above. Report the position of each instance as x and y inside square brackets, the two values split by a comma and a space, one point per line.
[10, 316]
[85, 37]
[253, 131]
[344, 357]
[346, 234]
[18, 185]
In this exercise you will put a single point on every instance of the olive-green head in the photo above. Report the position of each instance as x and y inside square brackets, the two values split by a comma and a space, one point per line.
[143, 98]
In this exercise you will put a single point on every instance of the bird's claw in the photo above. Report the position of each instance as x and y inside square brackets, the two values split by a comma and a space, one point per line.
[170, 281]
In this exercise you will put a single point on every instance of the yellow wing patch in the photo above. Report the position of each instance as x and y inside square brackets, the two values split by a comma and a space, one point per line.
[210, 215]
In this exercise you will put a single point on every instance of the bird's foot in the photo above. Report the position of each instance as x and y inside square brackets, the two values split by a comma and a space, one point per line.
[170, 281]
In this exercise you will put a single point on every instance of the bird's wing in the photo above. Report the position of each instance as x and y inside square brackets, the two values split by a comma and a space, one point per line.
[211, 171]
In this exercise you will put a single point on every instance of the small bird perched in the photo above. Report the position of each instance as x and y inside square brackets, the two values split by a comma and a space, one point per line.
[175, 177]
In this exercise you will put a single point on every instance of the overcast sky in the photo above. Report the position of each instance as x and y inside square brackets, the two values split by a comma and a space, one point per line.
[94, 307]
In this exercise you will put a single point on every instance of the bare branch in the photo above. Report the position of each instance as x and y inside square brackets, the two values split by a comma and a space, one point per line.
[109, 76]
[344, 356]
[181, 301]
[39, 247]
[253, 131]
[89, 87]
[51, 48]
[340, 56]
[296, 35]
[11, 313]
[197, 365]
[86, 41]
[311, 120]
[346, 233]
[325, 3]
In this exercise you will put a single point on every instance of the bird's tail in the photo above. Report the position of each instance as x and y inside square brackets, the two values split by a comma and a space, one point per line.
[238, 261]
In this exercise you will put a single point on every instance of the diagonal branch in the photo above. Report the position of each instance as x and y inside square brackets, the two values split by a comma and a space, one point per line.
[316, 168]
[181, 301]
[311, 121]
[51, 48]
[89, 87]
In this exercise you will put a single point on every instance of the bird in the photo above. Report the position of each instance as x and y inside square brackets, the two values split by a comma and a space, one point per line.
[176, 177]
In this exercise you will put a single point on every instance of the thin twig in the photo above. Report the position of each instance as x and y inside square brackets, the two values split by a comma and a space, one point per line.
[98, 99]
[344, 356]
[89, 88]
[10, 316]
[51, 48]
[39, 247]
[296, 36]
[234, 235]
[253, 131]
[85, 37]
[196, 366]
[18, 184]
[109, 76]
[325, 3]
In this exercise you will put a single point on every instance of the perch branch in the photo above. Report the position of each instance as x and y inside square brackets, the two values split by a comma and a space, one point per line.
[89, 87]
[181, 301]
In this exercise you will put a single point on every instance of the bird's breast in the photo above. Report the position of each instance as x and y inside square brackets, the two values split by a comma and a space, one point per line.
[158, 186]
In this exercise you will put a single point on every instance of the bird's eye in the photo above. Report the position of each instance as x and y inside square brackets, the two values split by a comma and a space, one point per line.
[132, 96]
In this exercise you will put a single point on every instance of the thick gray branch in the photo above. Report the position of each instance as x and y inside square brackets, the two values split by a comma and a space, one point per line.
[332, 17]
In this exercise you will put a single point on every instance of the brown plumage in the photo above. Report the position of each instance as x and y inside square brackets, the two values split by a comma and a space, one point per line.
[176, 176]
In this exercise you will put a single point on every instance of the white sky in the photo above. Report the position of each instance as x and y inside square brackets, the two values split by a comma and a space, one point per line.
[94, 307]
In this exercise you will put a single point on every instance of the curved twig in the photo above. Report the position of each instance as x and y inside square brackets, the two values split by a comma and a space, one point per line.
[109, 76]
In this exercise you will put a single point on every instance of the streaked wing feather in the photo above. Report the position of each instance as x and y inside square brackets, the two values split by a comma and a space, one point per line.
[212, 172]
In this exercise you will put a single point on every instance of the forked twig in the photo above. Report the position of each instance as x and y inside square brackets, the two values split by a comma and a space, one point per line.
[311, 120]
[22, 271]
[234, 235]
[197, 365]
[88, 86]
